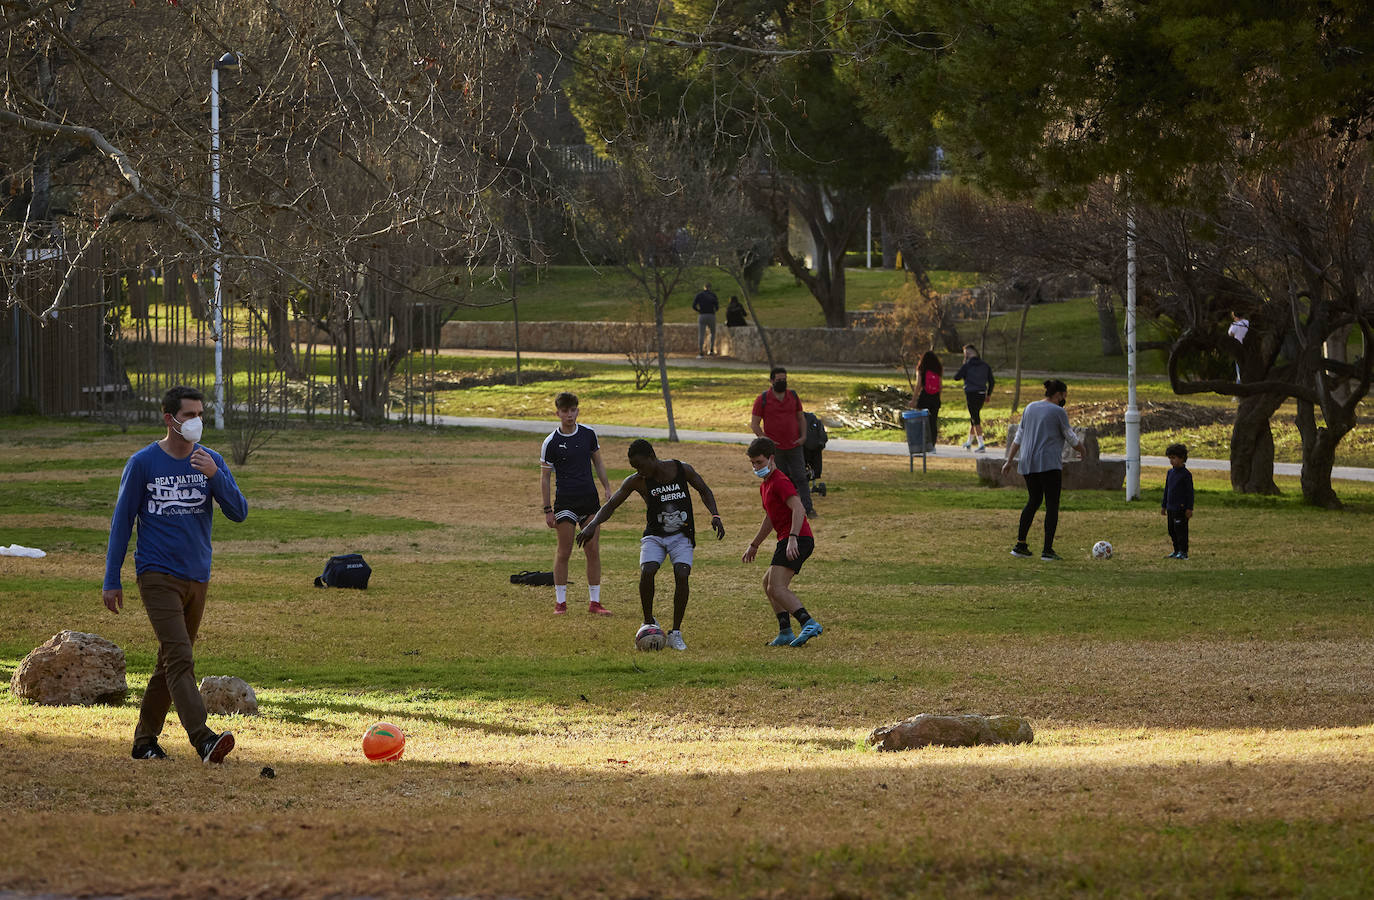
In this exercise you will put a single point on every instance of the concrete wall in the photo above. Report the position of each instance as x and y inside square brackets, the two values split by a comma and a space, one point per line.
[791, 346]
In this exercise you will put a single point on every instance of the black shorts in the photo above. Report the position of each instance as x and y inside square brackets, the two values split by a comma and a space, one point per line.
[575, 509]
[805, 545]
[975, 407]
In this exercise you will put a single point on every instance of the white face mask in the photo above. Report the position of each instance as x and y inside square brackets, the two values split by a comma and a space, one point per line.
[762, 473]
[191, 429]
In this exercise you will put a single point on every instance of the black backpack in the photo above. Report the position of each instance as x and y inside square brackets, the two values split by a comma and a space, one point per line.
[815, 438]
[536, 579]
[347, 571]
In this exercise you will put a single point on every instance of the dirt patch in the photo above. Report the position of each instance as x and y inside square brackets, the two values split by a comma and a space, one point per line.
[1109, 419]
[492, 377]
[882, 407]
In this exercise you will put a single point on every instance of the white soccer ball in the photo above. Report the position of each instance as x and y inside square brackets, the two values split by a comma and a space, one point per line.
[650, 637]
[1102, 550]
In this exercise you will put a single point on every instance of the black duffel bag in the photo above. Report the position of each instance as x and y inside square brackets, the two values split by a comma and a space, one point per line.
[347, 571]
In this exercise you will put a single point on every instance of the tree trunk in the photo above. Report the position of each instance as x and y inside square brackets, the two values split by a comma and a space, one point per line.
[1106, 323]
[832, 218]
[758, 326]
[1020, 336]
[1252, 445]
[515, 310]
[279, 335]
[1317, 462]
[663, 370]
[833, 301]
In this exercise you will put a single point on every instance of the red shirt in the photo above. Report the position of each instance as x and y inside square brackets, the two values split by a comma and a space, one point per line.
[775, 490]
[779, 417]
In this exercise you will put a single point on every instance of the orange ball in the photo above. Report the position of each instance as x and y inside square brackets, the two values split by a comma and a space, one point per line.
[384, 742]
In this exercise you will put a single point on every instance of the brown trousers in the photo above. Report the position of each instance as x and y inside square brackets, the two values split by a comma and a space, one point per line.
[174, 608]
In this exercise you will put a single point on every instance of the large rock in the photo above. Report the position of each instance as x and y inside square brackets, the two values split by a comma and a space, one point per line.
[225, 695]
[1090, 473]
[951, 731]
[72, 669]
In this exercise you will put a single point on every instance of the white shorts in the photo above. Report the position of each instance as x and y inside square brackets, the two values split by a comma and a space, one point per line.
[655, 549]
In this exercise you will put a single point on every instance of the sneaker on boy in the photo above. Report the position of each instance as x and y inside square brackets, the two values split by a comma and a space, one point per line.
[1022, 551]
[811, 629]
[1050, 556]
[784, 639]
[675, 640]
[559, 608]
[148, 751]
[596, 609]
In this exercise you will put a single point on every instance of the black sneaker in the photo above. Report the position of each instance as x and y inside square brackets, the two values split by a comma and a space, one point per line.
[149, 751]
[1022, 551]
[216, 748]
[1181, 556]
[1050, 556]
[1173, 555]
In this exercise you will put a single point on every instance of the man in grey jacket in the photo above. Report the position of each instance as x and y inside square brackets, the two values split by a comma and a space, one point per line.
[1041, 437]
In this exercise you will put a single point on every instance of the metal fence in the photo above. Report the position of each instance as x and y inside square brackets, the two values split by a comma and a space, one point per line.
[123, 334]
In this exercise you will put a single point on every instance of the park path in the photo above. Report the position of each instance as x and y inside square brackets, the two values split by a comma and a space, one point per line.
[852, 445]
[836, 445]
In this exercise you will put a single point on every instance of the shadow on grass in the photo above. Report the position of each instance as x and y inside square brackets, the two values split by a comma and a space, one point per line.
[296, 710]
[1014, 821]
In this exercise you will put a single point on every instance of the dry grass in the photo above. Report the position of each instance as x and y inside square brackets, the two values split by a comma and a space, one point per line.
[1199, 731]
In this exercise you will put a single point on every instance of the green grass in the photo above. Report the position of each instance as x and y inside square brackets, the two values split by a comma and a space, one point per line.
[1202, 729]
[583, 294]
[1062, 338]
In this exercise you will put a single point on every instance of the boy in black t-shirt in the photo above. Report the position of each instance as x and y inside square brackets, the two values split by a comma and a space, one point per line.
[570, 453]
[669, 527]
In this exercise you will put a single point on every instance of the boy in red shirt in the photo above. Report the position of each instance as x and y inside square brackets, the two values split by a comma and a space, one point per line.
[782, 511]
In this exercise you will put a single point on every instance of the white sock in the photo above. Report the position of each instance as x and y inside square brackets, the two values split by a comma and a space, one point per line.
[595, 591]
[560, 593]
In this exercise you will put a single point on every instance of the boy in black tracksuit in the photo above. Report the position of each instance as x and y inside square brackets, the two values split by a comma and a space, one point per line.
[1177, 505]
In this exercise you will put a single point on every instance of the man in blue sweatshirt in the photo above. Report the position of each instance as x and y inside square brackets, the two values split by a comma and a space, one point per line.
[167, 487]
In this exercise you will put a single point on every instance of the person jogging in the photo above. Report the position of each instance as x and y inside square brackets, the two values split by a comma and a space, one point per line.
[978, 383]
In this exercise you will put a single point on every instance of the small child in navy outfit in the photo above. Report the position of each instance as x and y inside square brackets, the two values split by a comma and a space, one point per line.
[1177, 506]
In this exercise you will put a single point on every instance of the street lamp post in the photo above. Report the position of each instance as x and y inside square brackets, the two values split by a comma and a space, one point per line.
[227, 61]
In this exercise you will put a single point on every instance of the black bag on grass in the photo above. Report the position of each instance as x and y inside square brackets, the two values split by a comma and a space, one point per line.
[537, 579]
[347, 571]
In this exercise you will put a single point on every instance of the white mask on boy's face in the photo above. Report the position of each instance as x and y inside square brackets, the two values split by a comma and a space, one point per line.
[191, 429]
[762, 473]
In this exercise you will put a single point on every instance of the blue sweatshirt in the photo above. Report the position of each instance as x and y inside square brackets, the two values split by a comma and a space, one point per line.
[171, 502]
[1178, 489]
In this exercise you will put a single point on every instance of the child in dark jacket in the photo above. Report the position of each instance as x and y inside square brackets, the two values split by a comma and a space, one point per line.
[1177, 505]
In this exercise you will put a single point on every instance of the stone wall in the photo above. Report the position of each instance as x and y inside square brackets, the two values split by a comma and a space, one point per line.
[791, 346]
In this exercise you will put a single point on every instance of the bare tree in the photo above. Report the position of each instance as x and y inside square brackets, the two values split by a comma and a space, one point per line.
[907, 331]
[656, 216]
